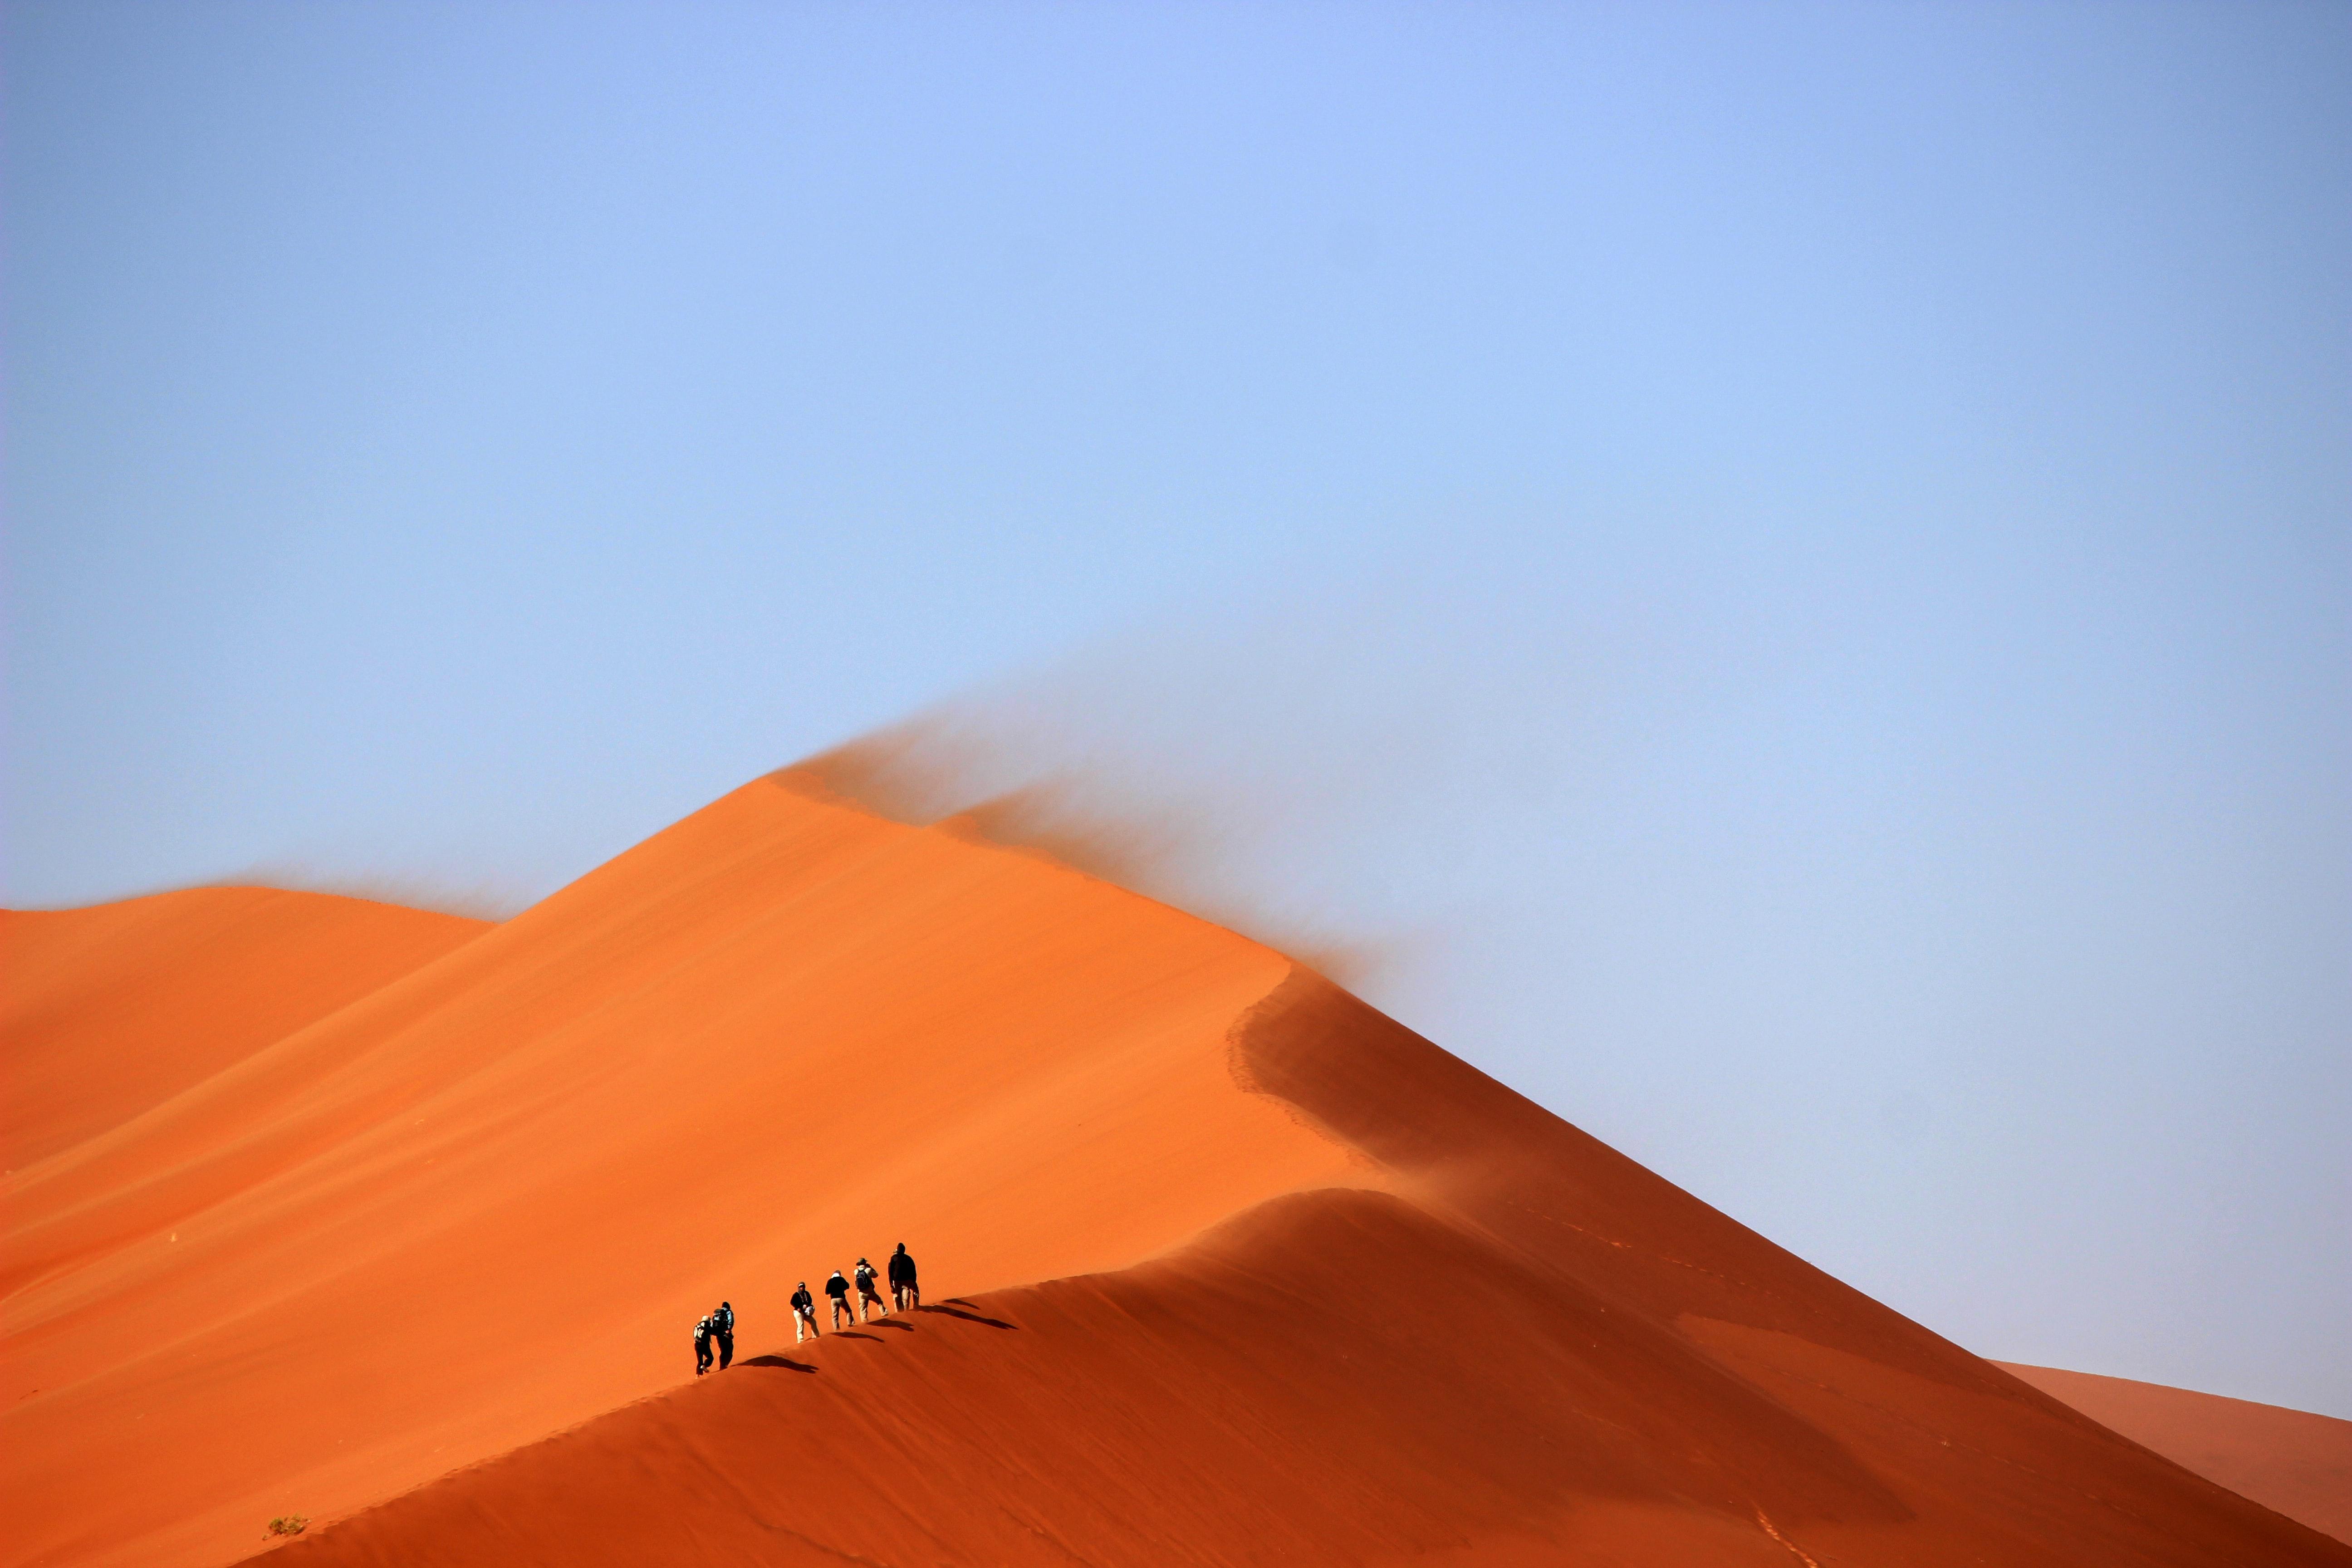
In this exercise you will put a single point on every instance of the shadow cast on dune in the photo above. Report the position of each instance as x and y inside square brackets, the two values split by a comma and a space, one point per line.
[969, 1317]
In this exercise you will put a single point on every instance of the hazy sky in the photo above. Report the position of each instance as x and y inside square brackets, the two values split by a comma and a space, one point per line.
[1782, 576]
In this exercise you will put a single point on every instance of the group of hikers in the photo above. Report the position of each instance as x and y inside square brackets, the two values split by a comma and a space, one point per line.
[714, 1336]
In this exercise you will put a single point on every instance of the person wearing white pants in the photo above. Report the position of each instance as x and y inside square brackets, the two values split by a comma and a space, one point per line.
[869, 1299]
[804, 1315]
[838, 1289]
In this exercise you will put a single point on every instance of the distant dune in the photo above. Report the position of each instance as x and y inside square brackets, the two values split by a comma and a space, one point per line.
[2291, 1460]
[1222, 1266]
[108, 1012]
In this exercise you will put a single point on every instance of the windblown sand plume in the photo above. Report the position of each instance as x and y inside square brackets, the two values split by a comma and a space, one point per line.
[405, 1230]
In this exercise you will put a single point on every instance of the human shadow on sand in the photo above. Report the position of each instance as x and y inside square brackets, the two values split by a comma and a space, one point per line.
[967, 1317]
[779, 1360]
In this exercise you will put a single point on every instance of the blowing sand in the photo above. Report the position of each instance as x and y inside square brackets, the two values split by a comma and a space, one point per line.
[1221, 1265]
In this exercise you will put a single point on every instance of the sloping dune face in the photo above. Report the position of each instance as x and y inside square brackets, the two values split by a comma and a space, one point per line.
[1220, 1266]
[108, 1012]
[488, 1200]
[1517, 1347]
[2291, 1460]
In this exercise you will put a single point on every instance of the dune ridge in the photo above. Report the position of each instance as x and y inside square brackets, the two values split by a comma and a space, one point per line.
[1222, 1265]
[485, 1202]
[1519, 1347]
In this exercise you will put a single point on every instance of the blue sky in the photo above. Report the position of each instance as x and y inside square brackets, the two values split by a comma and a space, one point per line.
[1783, 568]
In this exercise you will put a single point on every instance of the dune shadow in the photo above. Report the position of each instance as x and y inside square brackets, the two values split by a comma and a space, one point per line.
[891, 1323]
[967, 1317]
[854, 1334]
[779, 1360]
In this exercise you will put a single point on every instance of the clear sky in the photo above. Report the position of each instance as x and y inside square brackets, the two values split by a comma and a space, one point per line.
[1781, 575]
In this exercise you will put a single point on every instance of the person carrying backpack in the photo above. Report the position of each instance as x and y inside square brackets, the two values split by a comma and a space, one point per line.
[702, 1347]
[722, 1330]
[903, 1289]
[803, 1314]
[869, 1300]
[838, 1289]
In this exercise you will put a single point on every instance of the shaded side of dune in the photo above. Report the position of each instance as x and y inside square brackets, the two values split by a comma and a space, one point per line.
[1527, 1350]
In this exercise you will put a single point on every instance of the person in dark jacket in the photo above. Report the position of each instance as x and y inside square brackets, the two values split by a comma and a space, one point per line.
[903, 1289]
[869, 1299]
[722, 1330]
[702, 1347]
[838, 1289]
[803, 1314]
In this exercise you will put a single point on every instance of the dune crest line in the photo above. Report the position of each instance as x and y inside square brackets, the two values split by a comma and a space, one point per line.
[1429, 1369]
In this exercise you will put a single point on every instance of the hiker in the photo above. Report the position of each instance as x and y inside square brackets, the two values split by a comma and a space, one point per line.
[838, 1289]
[869, 1300]
[722, 1329]
[803, 1314]
[702, 1347]
[903, 1289]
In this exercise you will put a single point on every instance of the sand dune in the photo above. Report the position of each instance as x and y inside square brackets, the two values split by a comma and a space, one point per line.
[2291, 1460]
[1241, 1271]
[486, 1200]
[107, 1012]
[1519, 1348]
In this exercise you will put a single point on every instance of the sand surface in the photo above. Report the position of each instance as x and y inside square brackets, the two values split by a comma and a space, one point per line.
[2291, 1460]
[107, 1012]
[1221, 1267]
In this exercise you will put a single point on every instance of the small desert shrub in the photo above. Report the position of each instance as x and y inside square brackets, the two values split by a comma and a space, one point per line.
[289, 1524]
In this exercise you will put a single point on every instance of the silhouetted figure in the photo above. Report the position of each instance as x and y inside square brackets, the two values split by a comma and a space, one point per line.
[869, 1300]
[903, 1289]
[803, 1314]
[702, 1347]
[838, 1289]
[722, 1329]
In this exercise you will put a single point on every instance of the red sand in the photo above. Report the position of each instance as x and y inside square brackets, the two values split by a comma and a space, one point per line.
[1314, 1290]
[2291, 1460]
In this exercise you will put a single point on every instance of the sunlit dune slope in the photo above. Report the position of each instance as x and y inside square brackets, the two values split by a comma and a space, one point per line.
[488, 1200]
[1517, 1347]
[105, 1012]
[2291, 1460]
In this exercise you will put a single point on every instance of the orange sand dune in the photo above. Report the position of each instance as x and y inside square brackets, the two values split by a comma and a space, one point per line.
[2291, 1460]
[488, 1200]
[1312, 1289]
[106, 1012]
[1521, 1348]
